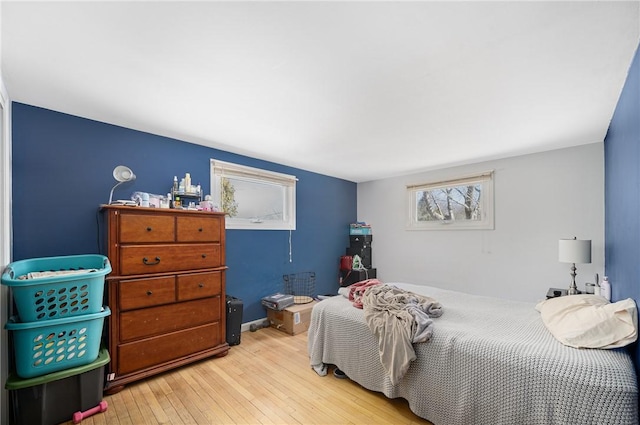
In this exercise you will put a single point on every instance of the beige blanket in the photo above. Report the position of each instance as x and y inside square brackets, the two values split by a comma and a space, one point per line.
[398, 318]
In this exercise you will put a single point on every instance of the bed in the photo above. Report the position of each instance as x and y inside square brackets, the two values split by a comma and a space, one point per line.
[488, 361]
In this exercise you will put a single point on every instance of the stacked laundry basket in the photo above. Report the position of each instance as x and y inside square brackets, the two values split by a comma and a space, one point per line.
[56, 336]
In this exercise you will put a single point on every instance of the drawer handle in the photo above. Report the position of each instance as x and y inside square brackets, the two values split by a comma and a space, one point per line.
[148, 263]
[149, 229]
[149, 293]
[204, 255]
[200, 229]
[200, 285]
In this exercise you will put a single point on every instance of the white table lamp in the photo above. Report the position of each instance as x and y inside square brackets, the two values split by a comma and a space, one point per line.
[574, 251]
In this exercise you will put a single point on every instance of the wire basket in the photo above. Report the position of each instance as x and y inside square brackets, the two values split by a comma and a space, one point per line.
[301, 285]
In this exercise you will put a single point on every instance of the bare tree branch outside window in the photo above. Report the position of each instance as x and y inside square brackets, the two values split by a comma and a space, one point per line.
[460, 203]
[450, 203]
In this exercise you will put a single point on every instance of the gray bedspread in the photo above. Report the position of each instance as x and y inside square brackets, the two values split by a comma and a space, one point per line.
[488, 362]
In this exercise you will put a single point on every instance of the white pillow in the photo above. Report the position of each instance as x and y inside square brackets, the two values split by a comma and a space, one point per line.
[590, 321]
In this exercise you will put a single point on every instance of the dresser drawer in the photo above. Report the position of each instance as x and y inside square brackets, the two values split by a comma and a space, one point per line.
[152, 321]
[199, 285]
[144, 259]
[146, 292]
[198, 229]
[150, 352]
[136, 228]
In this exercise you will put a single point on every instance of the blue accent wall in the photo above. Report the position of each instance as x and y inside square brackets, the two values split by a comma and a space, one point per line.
[622, 194]
[62, 172]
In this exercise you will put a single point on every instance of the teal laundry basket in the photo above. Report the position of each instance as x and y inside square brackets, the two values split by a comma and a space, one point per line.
[57, 287]
[52, 345]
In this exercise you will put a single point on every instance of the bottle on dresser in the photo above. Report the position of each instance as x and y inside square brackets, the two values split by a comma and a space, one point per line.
[187, 182]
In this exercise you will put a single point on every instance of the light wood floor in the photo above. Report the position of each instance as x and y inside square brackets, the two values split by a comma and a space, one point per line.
[264, 380]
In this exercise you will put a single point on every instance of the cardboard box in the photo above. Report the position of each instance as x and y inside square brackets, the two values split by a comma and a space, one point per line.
[292, 320]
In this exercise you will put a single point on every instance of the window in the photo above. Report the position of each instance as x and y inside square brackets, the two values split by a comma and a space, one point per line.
[253, 198]
[462, 203]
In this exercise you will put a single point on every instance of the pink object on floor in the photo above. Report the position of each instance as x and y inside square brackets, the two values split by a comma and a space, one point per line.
[79, 416]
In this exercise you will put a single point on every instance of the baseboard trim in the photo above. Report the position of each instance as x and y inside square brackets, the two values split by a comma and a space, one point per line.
[247, 326]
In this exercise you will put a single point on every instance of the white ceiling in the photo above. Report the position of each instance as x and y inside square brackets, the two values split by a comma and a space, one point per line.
[357, 90]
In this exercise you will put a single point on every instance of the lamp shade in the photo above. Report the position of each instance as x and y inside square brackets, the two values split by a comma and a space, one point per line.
[574, 251]
[123, 174]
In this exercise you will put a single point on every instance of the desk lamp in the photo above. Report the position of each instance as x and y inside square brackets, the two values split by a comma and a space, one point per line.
[574, 251]
[122, 174]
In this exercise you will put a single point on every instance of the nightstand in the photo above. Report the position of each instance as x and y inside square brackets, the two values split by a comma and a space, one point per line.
[557, 292]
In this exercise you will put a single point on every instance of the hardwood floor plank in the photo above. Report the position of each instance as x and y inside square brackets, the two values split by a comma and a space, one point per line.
[135, 416]
[266, 380]
[183, 400]
[222, 399]
[197, 400]
[237, 395]
[150, 399]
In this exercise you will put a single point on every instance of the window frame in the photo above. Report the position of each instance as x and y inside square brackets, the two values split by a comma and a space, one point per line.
[223, 169]
[486, 204]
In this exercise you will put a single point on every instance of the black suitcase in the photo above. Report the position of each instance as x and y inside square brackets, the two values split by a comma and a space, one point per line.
[234, 320]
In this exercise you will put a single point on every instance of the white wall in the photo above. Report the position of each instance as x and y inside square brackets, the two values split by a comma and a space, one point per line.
[5, 231]
[5, 238]
[539, 198]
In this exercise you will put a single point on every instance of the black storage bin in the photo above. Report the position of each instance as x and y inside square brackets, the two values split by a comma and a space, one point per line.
[348, 277]
[53, 398]
[234, 320]
[363, 253]
[359, 240]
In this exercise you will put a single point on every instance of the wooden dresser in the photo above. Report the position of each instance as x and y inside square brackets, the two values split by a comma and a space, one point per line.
[166, 290]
